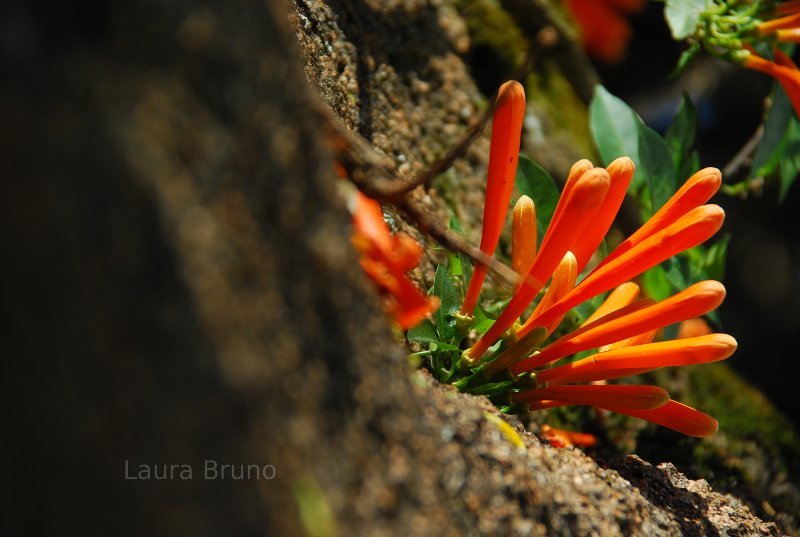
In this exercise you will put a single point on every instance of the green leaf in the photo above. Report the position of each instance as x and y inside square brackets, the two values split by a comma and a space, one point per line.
[681, 132]
[676, 270]
[584, 310]
[454, 224]
[483, 326]
[689, 166]
[680, 138]
[613, 127]
[424, 332]
[444, 289]
[774, 141]
[656, 165]
[790, 164]
[716, 255]
[686, 56]
[483, 322]
[454, 267]
[618, 131]
[683, 16]
[656, 284]
[533, 181]
[778, 151]
[466, 267]
[671, 331]
[764, 49]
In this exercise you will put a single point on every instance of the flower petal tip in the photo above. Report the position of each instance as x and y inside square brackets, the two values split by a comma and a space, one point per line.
[510, 89]
[621, 165]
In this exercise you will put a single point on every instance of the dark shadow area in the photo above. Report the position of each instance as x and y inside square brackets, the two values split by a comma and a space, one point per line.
[387, 40]
[688, 508]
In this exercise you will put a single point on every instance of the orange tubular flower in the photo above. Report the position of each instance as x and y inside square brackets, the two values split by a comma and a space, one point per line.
[616, 299]
[686, 232]
[630, 320]
[622, 328]
[698, 189]
[575, 209]
[618, 317]
[770, 26]
[603, 25]
[603, 395]
[786, 8]
[676, 416]
[523, 235]
[783, 70]
[509, 113]
[638, 339]
[561, 438]
[693, 328]
[618, 363]
[563, 281]
[620, 173]
[385, 259]
[620, 332]
[788, 35]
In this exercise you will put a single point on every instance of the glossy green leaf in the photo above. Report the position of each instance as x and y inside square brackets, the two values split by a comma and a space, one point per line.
[683, 16]
[613, 127]
[681, 132]
[790, 164]
[466, 269]
[533, 181]
[716, 255]
[444, 289]
[774, 141]
[483, 326]
[424, 332]
[689, 166]
[584, 310]
[454, 266]
[454, 224]
[677, 272]
[483, 322]
[656, 284]
[686, 56]
[680, 138]
[656, 165]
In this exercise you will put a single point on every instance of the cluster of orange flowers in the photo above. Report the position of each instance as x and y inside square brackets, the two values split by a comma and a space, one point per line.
[386, 259]
[606, 32]
[784, 28]
[623, 328]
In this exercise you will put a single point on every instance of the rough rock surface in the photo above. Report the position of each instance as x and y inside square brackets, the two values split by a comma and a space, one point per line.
[183, 290]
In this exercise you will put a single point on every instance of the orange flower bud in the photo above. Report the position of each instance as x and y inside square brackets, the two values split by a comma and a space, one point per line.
[783, 70]
[619, 362]
[616, 299]
[620, 172]
[677, 417]
[523, 235]
[638, 397]
[509, 113]
[562, 282]
[628, 321]
[697, 190]
[689, 230]
[578, 204]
